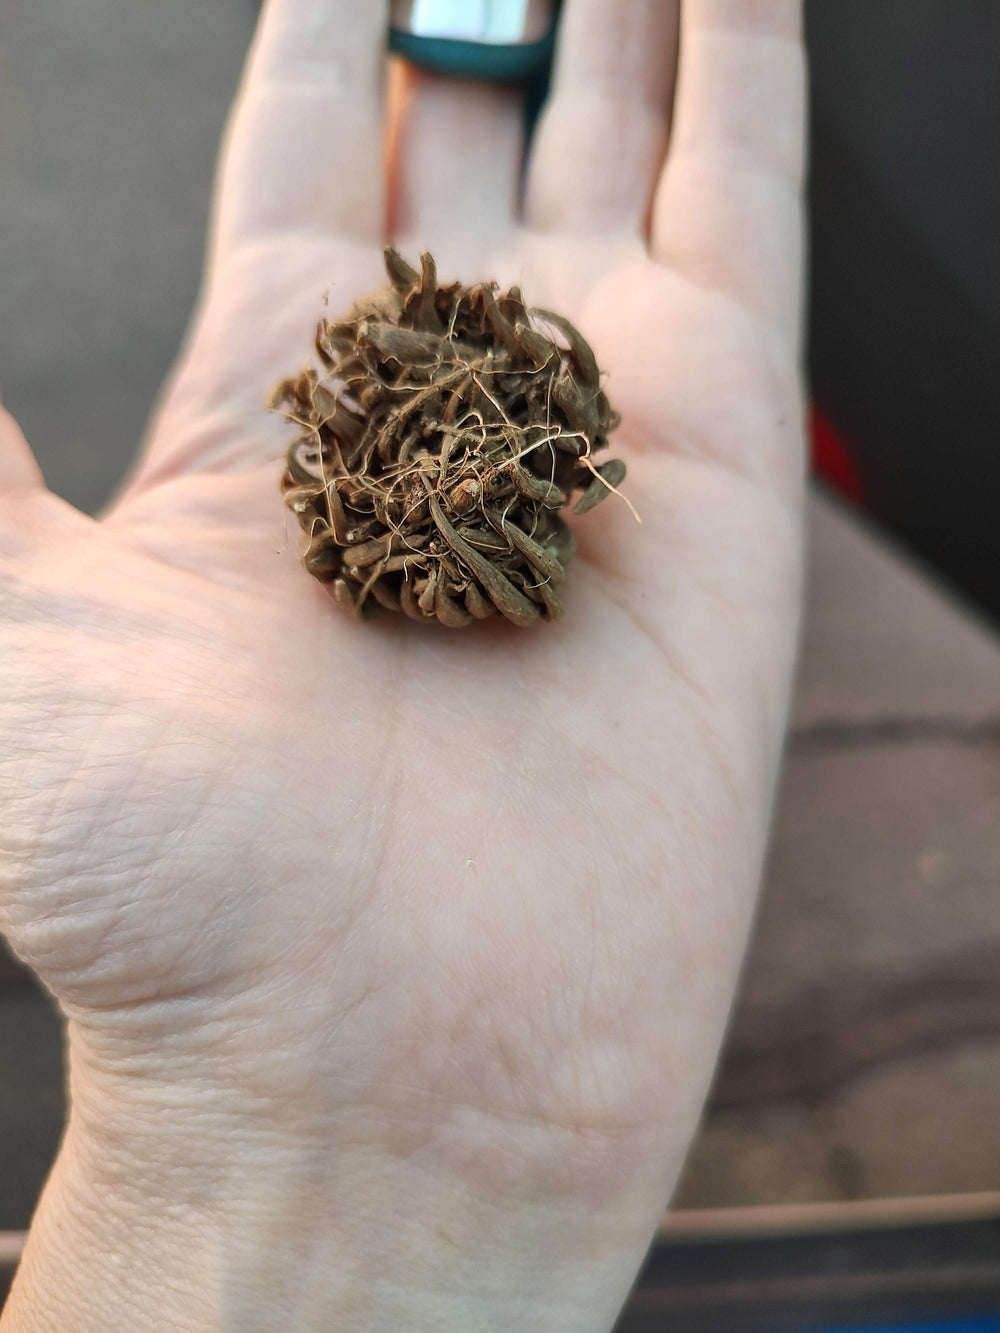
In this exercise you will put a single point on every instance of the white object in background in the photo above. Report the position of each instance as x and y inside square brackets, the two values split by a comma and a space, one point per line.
[490, 22]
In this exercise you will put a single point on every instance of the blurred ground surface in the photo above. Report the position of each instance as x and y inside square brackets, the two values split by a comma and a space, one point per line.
[864, 1056]
[110, 116]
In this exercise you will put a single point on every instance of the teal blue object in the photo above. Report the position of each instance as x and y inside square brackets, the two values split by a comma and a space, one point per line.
[988, 1325]
[474, 60]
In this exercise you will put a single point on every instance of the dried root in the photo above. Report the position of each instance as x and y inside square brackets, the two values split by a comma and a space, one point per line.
[448, 429]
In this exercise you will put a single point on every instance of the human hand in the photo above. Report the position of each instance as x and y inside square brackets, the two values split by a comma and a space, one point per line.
[396, 962]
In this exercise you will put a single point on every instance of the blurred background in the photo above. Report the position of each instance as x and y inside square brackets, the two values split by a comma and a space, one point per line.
[864, 1059]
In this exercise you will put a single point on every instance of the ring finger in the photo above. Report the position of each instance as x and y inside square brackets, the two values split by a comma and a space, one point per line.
[456, 150]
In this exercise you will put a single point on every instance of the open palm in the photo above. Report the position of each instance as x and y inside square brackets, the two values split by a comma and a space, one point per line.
[467, 904]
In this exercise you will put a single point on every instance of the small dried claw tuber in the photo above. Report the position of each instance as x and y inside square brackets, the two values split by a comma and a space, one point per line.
[448, 428]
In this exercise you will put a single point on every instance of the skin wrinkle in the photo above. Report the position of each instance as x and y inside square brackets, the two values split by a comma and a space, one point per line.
[781, 171]
[105, 623]
[703, 703]
[720, 274]
[97, 869]
[159, 542]
[703, 458]
[704, 451]
[407, 1090]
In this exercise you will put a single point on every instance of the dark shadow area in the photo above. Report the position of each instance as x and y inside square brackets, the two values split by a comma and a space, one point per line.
[905, 301]
[32, 1103]
[801, 1284]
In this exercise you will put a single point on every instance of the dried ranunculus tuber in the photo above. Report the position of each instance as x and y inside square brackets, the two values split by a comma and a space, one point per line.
[447, 430]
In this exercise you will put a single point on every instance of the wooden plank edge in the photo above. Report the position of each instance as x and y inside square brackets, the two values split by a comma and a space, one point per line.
[842, 1215]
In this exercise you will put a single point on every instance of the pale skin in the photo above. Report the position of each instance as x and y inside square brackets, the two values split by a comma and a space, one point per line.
[396, 960]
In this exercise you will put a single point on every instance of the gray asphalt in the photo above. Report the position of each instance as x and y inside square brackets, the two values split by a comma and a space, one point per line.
[110, 115]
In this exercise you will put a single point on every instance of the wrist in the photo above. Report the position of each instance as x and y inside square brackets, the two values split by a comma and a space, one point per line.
[170, 1208]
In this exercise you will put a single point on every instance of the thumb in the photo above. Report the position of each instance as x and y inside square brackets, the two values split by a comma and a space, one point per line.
[18, 469]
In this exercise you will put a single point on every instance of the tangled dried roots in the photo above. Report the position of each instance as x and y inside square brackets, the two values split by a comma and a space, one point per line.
[450, 427]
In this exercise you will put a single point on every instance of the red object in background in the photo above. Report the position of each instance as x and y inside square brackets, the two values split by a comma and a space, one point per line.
[831, 458]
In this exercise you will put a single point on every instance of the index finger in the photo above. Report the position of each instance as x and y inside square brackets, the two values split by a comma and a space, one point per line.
[304, 148]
